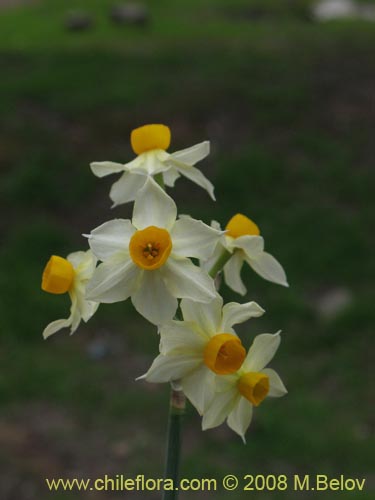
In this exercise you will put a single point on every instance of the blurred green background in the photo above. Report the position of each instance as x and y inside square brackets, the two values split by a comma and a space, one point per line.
[288, 104]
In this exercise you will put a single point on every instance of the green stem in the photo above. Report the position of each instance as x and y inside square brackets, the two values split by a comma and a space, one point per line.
[176, 412]
[160, 180]
[219, 264]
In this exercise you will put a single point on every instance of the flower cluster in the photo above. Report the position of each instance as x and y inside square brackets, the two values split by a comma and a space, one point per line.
[149, 260]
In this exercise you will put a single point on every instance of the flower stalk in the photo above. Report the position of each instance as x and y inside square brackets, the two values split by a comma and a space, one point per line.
[219, 264]
[172, 463]
[160, 180]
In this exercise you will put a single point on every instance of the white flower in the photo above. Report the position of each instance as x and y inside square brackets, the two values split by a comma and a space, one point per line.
[150, 143]
[243, 241]
[70, 275]
[238, 393]
[204, 344]
[147, 258]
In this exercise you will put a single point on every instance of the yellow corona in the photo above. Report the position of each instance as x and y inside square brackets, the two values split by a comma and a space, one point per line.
[240, 225]
[150, 137]
[58, 275]
[254, 386]
[224, 354]
[150, 247]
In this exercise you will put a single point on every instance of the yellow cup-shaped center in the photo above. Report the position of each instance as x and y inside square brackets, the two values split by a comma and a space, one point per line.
[150, 137]
[254, 386]
[224, 353]
[240, 225]
[58, 275]
[150, 248]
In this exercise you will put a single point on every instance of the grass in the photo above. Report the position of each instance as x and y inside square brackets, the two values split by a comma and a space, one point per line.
[287, 106]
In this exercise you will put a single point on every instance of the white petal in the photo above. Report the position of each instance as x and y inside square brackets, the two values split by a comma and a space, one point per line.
[113, 281]
[72, 322]
[251, 245]
[152, 162]
[234, 313]
[168, 368]
[181, 337]
[216, 254]
[84, 264]
[126, 188]
[199, 387]
[75, 314]
[153, 207]
[153, 300]
[261, 352]
[218, 410]
[110, 238]
[232, 273]
[277, 388]
[194, 154]
[75, 258]
[193, 238]
[103, 168]
[269, 268]
[195, 176]
[224, 383]
[187, 281]
[206, 316]
[216, 225]
[240, 417]
[55, 326]
[86, 308]
[170, 176]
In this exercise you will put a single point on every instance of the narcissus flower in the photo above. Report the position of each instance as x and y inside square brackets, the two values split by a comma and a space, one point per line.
[244, 242]
[193, 351]
[70, 275]
[147, 258]
[150, 143]
[237, 394]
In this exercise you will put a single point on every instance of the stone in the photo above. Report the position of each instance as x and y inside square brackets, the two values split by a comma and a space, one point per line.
[98, 349]
[130, 13]
[333, 302]
[327, 10]
[366, 12]
[78, 21]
